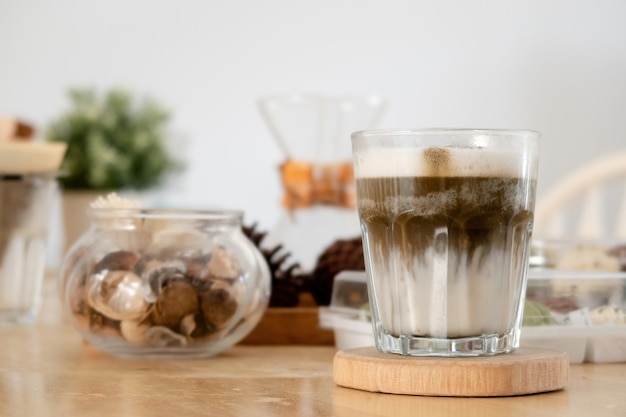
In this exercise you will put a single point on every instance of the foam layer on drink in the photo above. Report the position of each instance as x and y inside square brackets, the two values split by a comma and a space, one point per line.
[439, 162]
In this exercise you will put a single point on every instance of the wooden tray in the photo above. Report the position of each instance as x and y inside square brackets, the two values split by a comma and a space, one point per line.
[290, 326]
[525, 371]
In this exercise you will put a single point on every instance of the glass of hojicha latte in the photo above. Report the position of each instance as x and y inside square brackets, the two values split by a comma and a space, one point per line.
[446, 217]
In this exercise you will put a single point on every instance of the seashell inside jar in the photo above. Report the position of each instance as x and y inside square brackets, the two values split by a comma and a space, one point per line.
[164, 283]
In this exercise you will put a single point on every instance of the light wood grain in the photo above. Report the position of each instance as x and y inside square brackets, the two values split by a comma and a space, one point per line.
[47, 370]
[290, 326]
[526, 371]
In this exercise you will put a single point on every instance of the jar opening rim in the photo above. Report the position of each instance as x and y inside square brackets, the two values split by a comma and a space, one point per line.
[155, 213]
[436, 131]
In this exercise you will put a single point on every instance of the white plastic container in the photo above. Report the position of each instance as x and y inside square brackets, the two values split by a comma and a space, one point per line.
[579, 288]
[347, 314]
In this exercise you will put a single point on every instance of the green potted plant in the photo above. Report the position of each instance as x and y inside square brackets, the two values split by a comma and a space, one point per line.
[114, 143]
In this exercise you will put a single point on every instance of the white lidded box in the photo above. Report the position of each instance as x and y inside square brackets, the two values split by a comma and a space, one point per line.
[575, 302]
[348, 312]
[576, 298]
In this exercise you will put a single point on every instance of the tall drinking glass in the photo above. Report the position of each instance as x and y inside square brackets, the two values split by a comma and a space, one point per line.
[446, 217]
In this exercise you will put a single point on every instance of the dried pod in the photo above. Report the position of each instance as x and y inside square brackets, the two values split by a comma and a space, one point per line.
[188, 325]
[99, 324]
[117, 296]
[144, 263]
[134, 331]
[157, 273]
[195, 326]
[218, 306]
[176, 300]
[117, 261]
[197, 269]
[222, 264]
[198, 273]
[218, 283]
[161, 336]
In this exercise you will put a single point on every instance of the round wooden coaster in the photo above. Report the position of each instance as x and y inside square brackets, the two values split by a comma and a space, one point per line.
[525, 371]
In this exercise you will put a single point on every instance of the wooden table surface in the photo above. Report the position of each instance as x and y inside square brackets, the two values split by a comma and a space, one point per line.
[48, 370]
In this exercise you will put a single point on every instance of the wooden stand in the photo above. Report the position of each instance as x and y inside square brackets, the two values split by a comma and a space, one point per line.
[525, 371]
[290, 326]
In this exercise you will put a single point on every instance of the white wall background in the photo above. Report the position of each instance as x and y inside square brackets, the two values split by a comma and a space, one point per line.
[556, 66]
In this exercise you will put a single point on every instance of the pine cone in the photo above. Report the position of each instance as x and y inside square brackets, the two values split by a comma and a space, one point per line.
[286, 283]
[342, 255]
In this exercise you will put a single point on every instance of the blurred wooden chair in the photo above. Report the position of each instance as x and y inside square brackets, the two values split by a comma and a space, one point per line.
[589, 203]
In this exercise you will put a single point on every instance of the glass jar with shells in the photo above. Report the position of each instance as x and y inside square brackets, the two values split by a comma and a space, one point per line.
[164, 283]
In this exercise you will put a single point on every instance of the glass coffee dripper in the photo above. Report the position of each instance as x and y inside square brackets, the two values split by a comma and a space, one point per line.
[313, 132]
